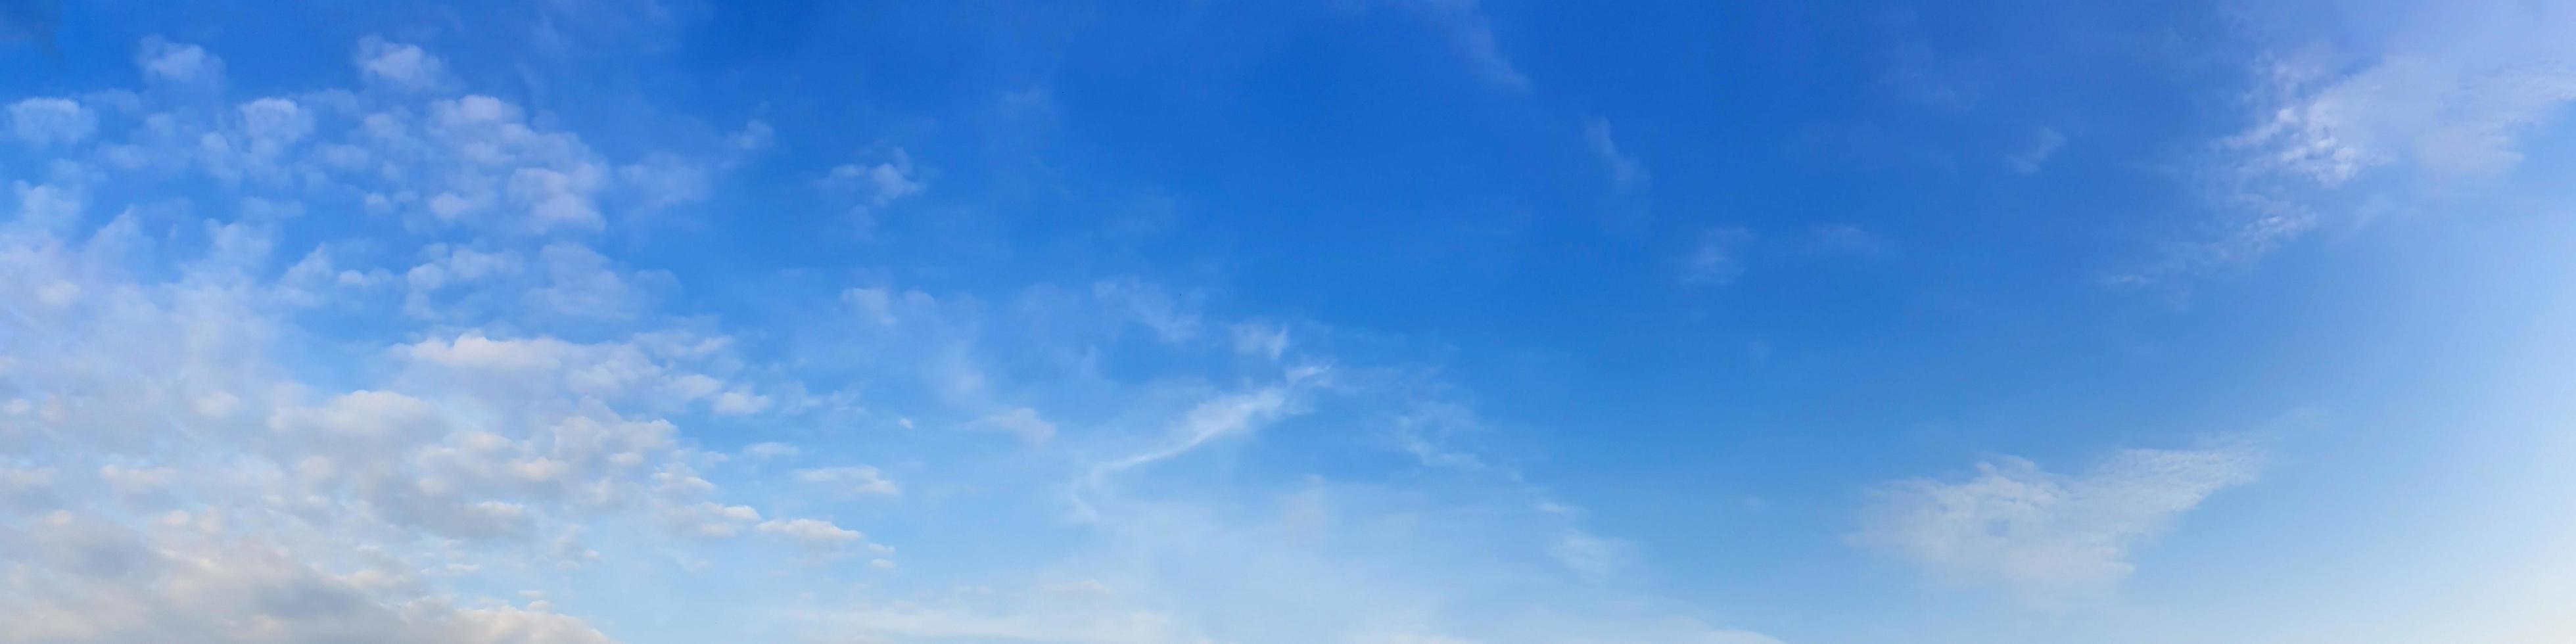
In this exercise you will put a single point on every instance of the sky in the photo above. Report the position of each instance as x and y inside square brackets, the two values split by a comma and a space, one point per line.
[1329, 321]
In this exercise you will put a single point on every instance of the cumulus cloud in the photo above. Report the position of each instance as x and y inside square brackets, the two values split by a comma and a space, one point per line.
[399, 65]
[2017, 524]
[50, 121]
[178, 62]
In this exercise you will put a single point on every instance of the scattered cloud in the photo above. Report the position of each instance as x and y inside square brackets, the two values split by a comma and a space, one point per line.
[50, 121]
[2029, 528]
[2036, 153]
[1846, 240]
[2440, 99]
[179, 63]
[1626, 172]
[874, 185]
[856, 480]
[1017, 421]
[1472, 35]
[401, 65]
[770, 451]
[1717, 258]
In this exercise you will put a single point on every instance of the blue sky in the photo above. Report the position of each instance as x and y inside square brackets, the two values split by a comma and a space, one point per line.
[1365, 321]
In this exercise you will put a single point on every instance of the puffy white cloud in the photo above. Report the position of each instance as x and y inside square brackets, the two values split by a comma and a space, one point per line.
[48, 206]
[49, 121]
[876, 184]
[2018, 524]
[581, 283]
[446, 265]
[400, 65]
[178, 63]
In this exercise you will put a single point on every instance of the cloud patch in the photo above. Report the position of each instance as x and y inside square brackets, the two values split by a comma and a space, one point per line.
[2017, 524]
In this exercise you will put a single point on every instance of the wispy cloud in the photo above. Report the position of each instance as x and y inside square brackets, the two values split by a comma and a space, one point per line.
[1626, 172]
[2444, 97]
[2029, 528]
[1717, 257]
[1472, 35]
[2035, 154]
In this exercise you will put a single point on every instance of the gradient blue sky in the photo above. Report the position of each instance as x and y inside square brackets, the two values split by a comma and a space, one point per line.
[1364, 321]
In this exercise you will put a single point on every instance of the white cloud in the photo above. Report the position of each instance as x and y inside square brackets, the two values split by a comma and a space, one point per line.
[1263, 340]
[270, 485]
[48, 121]
[400, 65]
[2035, 154]
[2017, 524]
[177, 62]
[1228, 415]
[26, 489]
[710, 519]
[446, 265]
[2452, 92]
[1592, 556]
[1149, 306]
[48, 206]
[876, 184]
[1626, 172]
[1018, 421]
[1472, 35]
[812, 533]
[857, 480]
[770, 451]
[2439, 98]
[80, 580]
[581, 283]
[1717, 259]
[737, 402]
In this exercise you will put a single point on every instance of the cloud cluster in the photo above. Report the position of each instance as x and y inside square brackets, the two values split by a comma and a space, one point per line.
[175, 471]
[343, 364]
